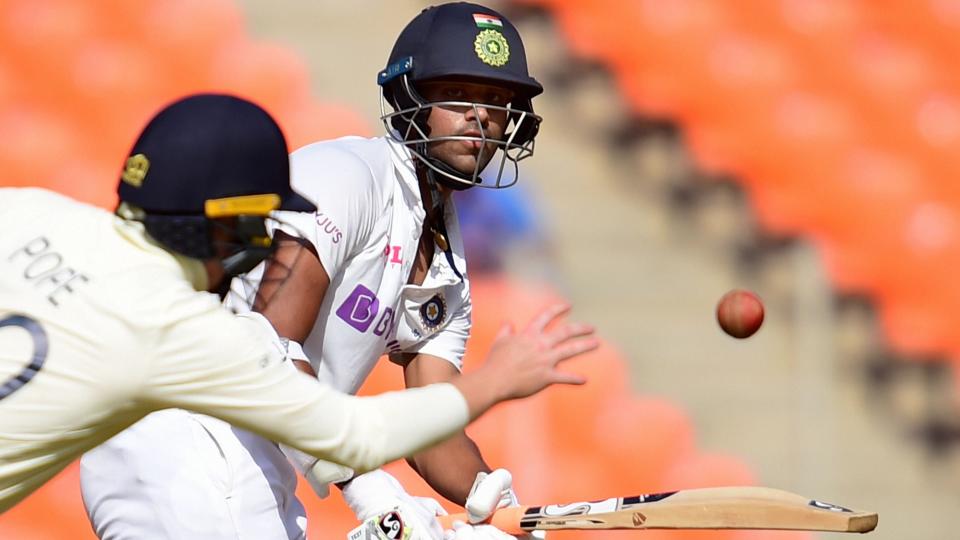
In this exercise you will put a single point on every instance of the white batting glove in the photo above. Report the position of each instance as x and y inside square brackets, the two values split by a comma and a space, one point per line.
[389, 512]
[489, 493]
[466, 531]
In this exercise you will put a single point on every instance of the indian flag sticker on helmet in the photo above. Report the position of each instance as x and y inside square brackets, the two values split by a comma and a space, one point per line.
[487, 21]
[492, 48]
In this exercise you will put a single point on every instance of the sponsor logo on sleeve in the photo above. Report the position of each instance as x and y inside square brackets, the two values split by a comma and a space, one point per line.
[326, 224]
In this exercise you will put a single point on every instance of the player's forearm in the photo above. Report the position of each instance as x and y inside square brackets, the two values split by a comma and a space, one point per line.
[379, 429]
[283, 405]
[451, 467]
[482, 389]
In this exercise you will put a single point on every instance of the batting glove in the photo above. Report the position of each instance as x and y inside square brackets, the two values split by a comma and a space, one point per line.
[489, 493]
[466, 531]
[390, 513]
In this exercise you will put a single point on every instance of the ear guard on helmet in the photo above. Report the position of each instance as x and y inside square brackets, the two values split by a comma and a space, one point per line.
[524, 131]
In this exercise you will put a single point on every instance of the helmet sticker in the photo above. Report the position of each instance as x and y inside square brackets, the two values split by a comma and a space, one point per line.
[487, 21]
[135, 170]
[492, 48]
[404, 65]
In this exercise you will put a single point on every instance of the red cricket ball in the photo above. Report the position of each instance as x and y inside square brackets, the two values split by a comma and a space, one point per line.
[740, 313]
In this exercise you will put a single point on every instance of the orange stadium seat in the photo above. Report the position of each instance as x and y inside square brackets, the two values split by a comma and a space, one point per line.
[67, 67]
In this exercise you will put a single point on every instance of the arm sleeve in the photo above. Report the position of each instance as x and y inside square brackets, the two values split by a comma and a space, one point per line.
[233, 368]
[342, 186]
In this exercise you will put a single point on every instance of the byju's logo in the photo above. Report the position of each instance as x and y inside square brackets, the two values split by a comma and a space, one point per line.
[360, 308]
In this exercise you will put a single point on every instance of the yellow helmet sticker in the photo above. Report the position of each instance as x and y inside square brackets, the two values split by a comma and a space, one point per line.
[135, 170]
[256, 205]
[492, 48]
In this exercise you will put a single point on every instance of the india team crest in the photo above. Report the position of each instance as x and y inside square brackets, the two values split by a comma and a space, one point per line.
[492, 48]
[433, 311]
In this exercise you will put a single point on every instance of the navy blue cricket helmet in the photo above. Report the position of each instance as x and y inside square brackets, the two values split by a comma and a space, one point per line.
[459, 41]
[210, 161]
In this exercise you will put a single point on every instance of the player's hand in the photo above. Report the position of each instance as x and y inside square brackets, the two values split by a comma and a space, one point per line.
[466, 531]
[489, 493]
[528, 359]
[521, 364]
[403, 522]
[389, 512]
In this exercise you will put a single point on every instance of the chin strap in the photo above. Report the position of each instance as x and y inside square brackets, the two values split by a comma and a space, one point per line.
[436, 219]
[447, 182]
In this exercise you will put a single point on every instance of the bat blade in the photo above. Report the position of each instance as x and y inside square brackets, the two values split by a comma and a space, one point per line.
[707, 508]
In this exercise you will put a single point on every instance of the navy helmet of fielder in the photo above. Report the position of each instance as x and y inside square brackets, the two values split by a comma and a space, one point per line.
[466, 42]
[207, 162]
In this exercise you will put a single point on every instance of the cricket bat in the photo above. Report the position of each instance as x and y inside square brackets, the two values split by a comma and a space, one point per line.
[707, 508]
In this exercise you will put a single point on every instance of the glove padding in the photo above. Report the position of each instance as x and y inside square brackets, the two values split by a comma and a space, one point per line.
[466, 531]
[389, 512]
[489, 493]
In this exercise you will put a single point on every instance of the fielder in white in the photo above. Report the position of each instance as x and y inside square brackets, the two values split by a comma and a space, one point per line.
[102, 320]
[388, 277]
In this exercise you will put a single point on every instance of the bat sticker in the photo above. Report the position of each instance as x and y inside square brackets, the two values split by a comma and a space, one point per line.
[648, 498]
[581, 508]
[828, 506]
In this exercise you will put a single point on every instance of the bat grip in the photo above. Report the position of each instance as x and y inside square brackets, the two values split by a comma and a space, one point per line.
[505, 519]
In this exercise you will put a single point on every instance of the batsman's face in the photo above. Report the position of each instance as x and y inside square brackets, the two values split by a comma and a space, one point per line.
[465, 109]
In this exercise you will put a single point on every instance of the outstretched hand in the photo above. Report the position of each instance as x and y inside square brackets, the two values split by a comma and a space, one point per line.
[523, 363]
[528, 359]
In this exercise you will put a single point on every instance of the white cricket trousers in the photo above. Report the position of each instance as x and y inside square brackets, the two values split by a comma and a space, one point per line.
[181, 476]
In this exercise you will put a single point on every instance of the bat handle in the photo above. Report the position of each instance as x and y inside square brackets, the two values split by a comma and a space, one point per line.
[505, 519]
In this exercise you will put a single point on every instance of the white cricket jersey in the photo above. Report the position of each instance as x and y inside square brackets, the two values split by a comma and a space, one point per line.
[366, 233]
[99, 326]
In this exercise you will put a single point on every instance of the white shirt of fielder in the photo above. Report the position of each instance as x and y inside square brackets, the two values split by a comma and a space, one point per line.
[366, 231]
[100, 326]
